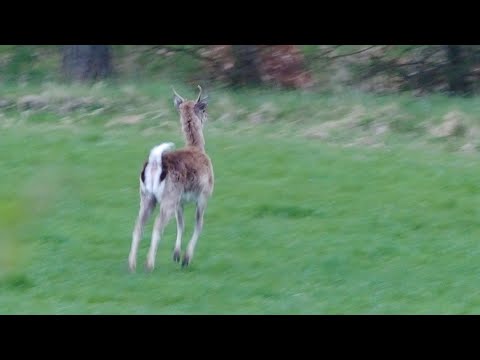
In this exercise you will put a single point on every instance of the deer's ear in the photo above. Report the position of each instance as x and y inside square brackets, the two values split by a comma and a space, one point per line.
[201, 105]
[177, 100]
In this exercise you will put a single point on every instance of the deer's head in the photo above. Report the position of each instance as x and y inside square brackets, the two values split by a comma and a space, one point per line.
[187, 108]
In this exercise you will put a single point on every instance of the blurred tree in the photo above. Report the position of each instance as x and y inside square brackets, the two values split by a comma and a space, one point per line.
[284, 66]
[272, 65]
[458, 69]
[86, 62]
[421, 68]
[246, 69]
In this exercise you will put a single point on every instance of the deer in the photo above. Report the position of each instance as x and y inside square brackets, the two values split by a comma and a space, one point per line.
[173, 178]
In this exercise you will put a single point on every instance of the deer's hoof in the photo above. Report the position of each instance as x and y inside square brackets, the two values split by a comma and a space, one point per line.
[176, 256]
[185, 261]
[149, 266]
[132, 265]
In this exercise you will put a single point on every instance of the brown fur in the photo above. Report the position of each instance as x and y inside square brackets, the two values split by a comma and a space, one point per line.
[191, 126]
[189, 169]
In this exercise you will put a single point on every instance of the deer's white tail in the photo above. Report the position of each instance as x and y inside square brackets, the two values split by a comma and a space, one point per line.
[153, 170]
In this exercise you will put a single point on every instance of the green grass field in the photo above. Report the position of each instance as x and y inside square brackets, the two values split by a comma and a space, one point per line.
[298, 224]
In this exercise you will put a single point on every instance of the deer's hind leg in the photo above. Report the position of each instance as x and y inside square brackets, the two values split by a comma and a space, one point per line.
[180, 229]
[147, 204]
[201, 206]
[168, 206]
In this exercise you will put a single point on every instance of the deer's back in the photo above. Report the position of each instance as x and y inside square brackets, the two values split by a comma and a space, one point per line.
[189, 168]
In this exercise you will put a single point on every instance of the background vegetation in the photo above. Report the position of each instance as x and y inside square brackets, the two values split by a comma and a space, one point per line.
[346, 179]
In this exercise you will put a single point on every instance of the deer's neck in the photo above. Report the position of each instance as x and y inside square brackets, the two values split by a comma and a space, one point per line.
[192, 132]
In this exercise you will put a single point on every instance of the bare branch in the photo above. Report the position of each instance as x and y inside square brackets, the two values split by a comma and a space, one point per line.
[353, 53]
[326, 52]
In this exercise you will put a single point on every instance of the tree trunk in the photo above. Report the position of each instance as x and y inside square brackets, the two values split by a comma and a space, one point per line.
[86, 62]
[457, 70]
[245, 71]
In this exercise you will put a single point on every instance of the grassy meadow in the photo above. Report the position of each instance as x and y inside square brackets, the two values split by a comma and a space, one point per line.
[323, 203]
